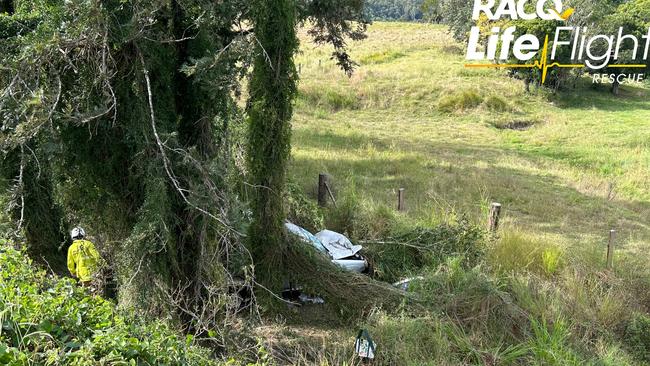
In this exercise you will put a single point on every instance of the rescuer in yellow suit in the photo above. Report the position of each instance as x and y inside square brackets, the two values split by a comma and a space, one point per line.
[83, 258]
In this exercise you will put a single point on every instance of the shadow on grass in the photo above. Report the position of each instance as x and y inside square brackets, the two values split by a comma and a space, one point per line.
[464, 176]
[599, 97]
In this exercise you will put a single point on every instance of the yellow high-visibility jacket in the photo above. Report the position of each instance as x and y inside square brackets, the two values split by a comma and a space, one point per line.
[83, 260]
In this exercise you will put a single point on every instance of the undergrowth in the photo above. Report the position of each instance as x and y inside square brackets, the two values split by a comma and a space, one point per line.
[509, 298]
[51, 321]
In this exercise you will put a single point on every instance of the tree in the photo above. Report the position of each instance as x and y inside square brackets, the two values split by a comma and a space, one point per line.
[431, 11]
[404, 10]
[457, 14]
[272, 91]
[634, 18]
[123, 116]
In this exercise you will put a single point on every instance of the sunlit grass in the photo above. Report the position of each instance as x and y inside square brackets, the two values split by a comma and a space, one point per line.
[576, 166]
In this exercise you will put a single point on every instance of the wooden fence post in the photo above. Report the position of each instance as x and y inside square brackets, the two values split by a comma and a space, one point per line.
[495, 213]
[323, 182]
[400, 200]
[610, 249]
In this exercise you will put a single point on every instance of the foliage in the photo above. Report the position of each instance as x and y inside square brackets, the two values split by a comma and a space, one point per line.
[107, 79]
[409, 10]
[272, 90]
[431, 10]
[408, 250]
[303, 210]
[46, 320]
[634, 18]
[457, 14]
[152, 90]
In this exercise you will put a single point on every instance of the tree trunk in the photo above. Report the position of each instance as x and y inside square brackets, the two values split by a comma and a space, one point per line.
[272, 90]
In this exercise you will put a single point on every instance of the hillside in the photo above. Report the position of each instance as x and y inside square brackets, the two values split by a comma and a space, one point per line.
[202, 278]
[567, 167]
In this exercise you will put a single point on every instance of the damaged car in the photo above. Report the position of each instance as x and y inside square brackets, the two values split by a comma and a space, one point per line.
[336, 246]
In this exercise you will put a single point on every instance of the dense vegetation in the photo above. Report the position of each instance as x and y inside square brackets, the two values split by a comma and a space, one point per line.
[404, 10]
[165, 128]
[51, 321]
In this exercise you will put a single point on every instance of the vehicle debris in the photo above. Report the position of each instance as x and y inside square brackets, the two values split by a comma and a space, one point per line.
[405, 283]
[364, 346]
[338, 247]
[305, 299]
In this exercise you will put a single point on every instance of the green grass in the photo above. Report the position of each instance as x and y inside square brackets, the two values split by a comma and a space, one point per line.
[567, 167]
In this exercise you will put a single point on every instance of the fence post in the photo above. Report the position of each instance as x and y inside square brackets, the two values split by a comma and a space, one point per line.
[323, 181]
[610, 249]
[400, 200]
[495, 213]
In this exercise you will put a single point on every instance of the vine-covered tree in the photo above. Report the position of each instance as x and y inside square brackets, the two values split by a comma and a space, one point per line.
[124, 116]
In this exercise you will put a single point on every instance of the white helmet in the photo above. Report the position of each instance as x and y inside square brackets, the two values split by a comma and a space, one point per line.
[77, 233]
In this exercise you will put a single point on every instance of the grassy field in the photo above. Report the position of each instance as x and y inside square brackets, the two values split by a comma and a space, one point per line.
[567, 167]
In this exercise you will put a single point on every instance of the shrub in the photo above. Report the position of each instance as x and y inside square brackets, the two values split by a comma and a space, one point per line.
[409, 249]
[46, 320]
[474, 298]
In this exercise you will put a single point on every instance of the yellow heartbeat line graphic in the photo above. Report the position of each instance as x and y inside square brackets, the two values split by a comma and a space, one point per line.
[543, 64]
[565, 14]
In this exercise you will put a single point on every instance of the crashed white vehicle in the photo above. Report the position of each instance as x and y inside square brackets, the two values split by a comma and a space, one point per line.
[339, 248]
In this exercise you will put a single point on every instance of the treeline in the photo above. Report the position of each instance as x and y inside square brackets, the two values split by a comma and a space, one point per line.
[404, 10]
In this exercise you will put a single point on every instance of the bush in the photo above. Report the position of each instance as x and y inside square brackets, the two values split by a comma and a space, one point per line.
[497, 104]
[474, 298]
[46, 320]
[407, 250]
